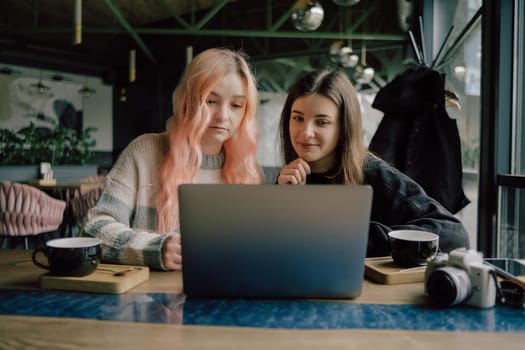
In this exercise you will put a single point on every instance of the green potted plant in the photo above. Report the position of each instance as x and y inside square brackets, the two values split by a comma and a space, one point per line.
[30, 145]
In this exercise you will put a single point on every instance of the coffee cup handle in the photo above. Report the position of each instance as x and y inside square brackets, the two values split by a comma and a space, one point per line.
[37, 263]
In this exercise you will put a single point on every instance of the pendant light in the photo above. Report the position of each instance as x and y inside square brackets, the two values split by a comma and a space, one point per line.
[77, 36]
[307, 15]
[40, 87]
[86, 91]
[189, 54]
[349, 58]
[132, 68]
[364, 73]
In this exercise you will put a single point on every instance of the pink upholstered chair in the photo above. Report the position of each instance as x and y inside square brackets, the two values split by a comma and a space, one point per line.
[26, 211]
[80, 204]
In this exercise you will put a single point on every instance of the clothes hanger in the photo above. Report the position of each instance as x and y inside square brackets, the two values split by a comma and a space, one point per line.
[452, 100]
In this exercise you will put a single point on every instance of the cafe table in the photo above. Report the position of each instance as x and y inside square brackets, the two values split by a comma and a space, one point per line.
[157, 315]
[66, 189]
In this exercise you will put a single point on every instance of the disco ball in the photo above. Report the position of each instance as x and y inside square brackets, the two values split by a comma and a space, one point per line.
[346, 2]
[349, 61]
[343, 55]
[335, 51]
[364, 75]
[308, 17]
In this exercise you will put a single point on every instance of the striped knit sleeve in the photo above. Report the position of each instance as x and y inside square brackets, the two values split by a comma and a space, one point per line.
[124, 218]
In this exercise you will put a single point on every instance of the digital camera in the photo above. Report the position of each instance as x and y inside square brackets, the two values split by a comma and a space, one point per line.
[460, 277]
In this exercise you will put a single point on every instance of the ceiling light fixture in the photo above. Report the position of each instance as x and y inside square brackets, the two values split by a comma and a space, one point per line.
[348, 59]
[335, 51]
[343, 54]
[364, 74]
[189, 54]
[307, 15]
[340, 53]
[132, 68]
[77, 36]
[40, 87]
[123, 95]
[86, 91]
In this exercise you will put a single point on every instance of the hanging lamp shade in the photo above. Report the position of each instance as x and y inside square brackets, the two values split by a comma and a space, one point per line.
[307, 16]
[77, 36]
[40, 87]
[364, 73]
[335, 51]
[349, 59]
[343, 54]
[132, 67]
[86, 91]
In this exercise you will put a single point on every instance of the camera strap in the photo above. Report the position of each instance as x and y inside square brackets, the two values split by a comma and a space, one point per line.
[499, 293]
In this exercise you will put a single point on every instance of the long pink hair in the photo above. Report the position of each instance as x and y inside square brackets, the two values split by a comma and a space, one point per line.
[189, 122]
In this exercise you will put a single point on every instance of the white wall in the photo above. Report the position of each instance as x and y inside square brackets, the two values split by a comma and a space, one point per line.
[268, 116]
[98, 113]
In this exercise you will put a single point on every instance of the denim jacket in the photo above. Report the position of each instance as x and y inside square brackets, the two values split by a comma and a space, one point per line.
[400, 203]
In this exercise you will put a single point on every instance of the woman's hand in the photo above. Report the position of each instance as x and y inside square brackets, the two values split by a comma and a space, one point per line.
[172, 252]
[294, 173]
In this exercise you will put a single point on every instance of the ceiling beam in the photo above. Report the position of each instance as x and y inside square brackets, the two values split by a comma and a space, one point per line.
[269, 34]
[285, 17]
[124, 23]
[174, 14]
[222, 32]
[209, 15]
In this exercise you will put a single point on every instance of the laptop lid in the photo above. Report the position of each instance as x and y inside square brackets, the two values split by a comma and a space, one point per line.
[274, 241]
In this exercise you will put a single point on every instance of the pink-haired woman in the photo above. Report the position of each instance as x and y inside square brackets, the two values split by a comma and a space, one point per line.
[211, 138]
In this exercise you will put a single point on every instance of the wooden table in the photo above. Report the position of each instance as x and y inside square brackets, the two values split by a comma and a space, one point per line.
[67, 186]
[19, 332]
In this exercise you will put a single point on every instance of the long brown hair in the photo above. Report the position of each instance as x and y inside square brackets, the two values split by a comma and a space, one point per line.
[350, 152]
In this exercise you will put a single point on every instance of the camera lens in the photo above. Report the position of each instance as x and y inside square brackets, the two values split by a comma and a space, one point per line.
[448, 285]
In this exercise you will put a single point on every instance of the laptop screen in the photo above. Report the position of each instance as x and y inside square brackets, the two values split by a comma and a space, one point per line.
[274, 240]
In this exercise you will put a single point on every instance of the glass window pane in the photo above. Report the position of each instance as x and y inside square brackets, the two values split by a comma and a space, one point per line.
[519, 114]
[461, 65]
[511, 210]
[511, 241]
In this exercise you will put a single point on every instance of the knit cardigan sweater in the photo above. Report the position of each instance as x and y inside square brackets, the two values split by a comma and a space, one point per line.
[125, 218]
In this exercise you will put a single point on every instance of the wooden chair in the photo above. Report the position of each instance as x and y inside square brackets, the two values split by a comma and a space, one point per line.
[26, 211]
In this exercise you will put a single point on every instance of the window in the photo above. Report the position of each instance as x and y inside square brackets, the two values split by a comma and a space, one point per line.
[510, 240]
[457, 55]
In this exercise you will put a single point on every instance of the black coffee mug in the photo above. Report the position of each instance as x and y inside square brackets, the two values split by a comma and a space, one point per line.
[74, 256]
[411, 248]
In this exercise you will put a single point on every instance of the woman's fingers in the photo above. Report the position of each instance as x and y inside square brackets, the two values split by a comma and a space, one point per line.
[303, 167]
[172, 252]
[294, 173]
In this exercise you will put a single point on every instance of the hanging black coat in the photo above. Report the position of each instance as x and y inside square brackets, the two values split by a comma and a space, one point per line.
[417, 136]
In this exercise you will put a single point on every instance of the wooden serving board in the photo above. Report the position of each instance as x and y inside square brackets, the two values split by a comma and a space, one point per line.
[100, 281]
[384, 270]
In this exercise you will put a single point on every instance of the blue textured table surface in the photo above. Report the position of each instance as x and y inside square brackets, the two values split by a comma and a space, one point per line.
[287, 314]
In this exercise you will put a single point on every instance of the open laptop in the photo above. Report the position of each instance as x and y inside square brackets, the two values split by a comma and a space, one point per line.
[274, 241]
